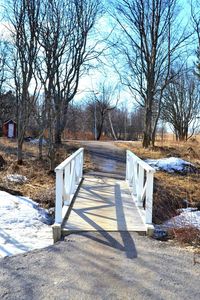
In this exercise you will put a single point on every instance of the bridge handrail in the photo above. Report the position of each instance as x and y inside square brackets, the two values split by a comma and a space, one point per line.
[68, 177]
[140, 176]
[68, 159]
[145, 166]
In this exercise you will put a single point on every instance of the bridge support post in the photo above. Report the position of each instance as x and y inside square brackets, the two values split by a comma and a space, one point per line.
[56, 232]
[59, 196]
[149, 197]
[150, 230]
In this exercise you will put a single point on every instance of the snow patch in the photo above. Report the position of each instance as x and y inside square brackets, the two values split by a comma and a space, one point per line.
[23, 225]
[171, 164]
[188, 217]
[16, 178]
[36, 141]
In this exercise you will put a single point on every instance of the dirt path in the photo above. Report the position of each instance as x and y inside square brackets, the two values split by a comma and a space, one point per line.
[102, 266]
[108, 159]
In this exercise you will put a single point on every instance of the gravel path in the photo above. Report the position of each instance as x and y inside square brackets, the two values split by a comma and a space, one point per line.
[101, 266]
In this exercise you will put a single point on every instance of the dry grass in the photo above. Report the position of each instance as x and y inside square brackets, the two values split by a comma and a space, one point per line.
[171, 189]
[41, 184]
[186, 236]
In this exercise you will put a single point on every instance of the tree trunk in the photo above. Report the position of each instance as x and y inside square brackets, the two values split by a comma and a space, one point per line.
[182, 137]
[154, 131]
[51, 153]
[58, 135]
[19, 152]
[111, 126]
[40, 146]
[58, 130]
[20, 140]
[61, 121]
[100, 128]
[147, 129]
[52, 160]
[99, 132]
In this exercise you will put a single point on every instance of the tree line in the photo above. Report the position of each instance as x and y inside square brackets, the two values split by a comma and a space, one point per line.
[51, 45]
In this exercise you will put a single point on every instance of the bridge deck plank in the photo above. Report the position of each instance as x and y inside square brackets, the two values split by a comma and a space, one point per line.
[103, 204]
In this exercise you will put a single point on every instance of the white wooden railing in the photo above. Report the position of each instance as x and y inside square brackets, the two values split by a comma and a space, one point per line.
[139, 176]
[68, 177]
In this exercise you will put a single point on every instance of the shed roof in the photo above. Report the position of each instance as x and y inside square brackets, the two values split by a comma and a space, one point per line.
[8, 121]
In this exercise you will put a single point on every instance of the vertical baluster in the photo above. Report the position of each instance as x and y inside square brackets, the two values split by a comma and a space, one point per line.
[131, 171]
[133, 178]
[81, 163]
[76, 169]
[140, 185]
[72, 177]
[66, 187]
[149, 197]
[127, 166]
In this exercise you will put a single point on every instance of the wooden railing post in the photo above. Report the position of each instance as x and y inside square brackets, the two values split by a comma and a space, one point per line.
[81, 165]
[66, 186]
[149, 197]
[140, 185]
[134, 176]
[59, 196]
[73, 177]
[127, 166]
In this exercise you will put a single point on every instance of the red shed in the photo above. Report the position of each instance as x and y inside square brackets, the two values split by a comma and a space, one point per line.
[10, 129]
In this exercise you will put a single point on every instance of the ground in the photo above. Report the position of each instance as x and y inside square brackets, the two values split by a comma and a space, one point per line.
[40, 185]
[102, 266]
[168, 186]
[171, 190]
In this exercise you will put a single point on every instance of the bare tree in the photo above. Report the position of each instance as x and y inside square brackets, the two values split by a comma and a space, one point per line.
[3, 61]
[5, 104]
[64, 31]
[150, 44]
[66, 26]
[120, 120]
[83, 116]
[103, 101]
[7, 107]
[182, 105]
[23, 16]
[195, 13]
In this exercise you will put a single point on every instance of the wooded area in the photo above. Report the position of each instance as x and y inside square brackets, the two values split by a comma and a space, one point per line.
[152, 47]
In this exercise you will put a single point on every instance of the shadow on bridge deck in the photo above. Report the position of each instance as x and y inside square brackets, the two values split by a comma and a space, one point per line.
[105, 205]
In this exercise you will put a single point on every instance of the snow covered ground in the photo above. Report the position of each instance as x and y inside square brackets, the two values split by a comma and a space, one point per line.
[188, 217]
[36, 141]
[171, 164]
[24, 226]
[17, 178]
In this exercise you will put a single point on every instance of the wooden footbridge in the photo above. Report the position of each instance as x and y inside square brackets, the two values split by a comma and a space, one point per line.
[96, 203]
